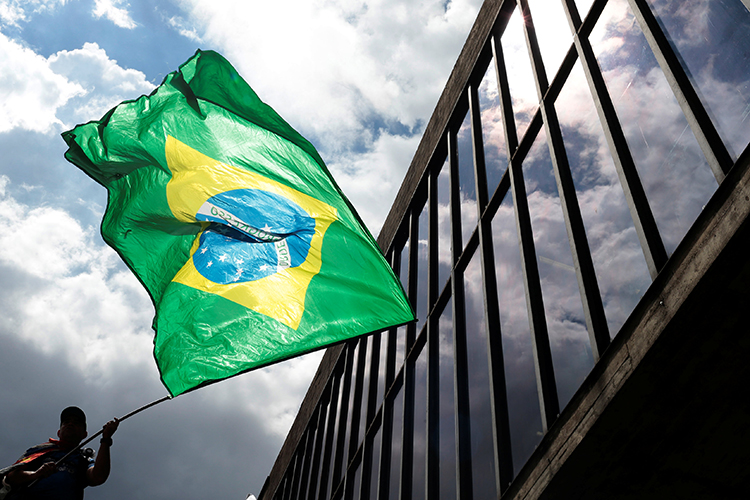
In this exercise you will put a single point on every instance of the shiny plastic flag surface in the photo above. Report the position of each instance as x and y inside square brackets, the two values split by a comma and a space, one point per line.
[231, 221]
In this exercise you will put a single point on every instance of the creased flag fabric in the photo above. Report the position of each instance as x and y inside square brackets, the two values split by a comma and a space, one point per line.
[231, 221]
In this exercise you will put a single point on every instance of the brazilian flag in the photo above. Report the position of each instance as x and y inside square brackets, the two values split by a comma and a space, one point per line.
[230, 219]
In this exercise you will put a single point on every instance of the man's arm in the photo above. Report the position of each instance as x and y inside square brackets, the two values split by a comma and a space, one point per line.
[100, 471]
[21, 477]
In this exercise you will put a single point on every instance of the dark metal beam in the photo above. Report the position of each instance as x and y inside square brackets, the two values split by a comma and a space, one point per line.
[308, 457]
[359, 381]
[496, 365]
[407, 428]
[432, 453]
[330, 430]
[372, 393]
[464, 486]
[319, 441]
[338, 462]
[545, 375]
[386, 441]
[593, 309]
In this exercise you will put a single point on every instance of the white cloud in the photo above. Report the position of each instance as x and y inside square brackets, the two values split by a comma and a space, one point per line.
[258, 392]
[46, 243]
[49, 94]
[110, 9]
[692, 16]
[180, 25]
[82, 305]
[30, 91]
[106, 82]
[373, 177]
[13, 11]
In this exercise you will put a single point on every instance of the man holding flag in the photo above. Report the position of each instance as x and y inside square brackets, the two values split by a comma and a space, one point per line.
[51, 471]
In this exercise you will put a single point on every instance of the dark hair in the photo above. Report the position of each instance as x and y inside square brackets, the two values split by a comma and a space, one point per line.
[72, 413]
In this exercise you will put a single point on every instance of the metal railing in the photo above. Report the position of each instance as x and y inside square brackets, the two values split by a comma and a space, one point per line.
[393, 414]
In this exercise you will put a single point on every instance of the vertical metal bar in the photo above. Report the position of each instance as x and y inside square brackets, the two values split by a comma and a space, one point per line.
[386, 445]
[354, 426]
[287, 492]
[372, 391]
[338, 492]
[296, 477]
[338, 462]
[413, 276]
[366, 464]
[349, 477]
[464, 486]
[588, 286]
[593, 309]
[506, 103]
[496, 365]
[477, 148]
[700, 122]
[330, 430]
[407, 446]
[432, 452]
[537, 65]
[545, 375]
[357, 402]
[280, 492]
[372, 394]
[319, 440]
[308, 456]
[390, 361]
[635, 196]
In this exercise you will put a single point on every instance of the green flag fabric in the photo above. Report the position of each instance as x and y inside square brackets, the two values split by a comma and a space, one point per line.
[229, 218]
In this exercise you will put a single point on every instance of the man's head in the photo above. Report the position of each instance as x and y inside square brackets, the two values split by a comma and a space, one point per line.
[72, 426]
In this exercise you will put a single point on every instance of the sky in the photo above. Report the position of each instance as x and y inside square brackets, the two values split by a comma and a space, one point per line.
[360, 81]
